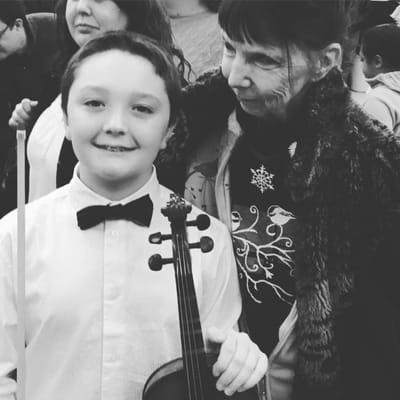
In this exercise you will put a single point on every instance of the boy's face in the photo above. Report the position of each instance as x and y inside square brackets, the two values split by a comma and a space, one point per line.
[259, 76]
[117, 118]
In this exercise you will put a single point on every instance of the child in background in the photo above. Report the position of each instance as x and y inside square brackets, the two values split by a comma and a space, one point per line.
[99, 321]
[380, 58]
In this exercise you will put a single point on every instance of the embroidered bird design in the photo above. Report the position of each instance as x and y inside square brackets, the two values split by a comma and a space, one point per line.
[236, 220]
[278, 215]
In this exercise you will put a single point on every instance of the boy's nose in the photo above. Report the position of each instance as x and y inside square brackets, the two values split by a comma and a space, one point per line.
[239, 74]
[115, 124]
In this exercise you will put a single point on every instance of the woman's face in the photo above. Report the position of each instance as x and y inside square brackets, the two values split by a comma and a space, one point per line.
[89, 18]
[260, 76]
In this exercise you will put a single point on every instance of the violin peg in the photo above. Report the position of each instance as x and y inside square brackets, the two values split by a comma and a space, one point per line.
[206, 244]
[156, 262]
[157, 238]
[202, 222]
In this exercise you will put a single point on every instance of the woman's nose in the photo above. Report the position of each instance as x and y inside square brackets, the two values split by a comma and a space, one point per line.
[239, 76]
[83, 6]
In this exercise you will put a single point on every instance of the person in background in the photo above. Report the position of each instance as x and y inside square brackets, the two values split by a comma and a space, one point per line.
[380, 58]
[78, 22]
[99, 320]
[195, 27]
[308, 185]
[27, 48]
[371, 13]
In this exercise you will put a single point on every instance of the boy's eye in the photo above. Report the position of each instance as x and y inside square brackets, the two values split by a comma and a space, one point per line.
[142, 109]
[94, 103]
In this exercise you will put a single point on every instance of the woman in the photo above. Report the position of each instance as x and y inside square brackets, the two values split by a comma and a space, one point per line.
[306, 183]
[80, 21]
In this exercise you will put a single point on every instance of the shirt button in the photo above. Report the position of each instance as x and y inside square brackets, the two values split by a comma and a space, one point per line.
[114, 234]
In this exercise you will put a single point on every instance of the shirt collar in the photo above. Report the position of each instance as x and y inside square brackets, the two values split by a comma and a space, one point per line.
[82, 196]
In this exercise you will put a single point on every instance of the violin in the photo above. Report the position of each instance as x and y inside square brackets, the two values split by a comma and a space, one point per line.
[189, 377]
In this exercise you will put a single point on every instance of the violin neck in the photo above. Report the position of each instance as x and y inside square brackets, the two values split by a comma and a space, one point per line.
[191, 334]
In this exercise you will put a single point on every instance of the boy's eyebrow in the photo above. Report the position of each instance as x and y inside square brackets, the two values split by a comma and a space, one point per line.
[133, 94]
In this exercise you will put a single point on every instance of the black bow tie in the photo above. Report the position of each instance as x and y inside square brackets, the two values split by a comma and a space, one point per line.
[138, 211]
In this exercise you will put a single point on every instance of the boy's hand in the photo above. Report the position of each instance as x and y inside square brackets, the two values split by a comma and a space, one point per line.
[240, 364]
[22, 114]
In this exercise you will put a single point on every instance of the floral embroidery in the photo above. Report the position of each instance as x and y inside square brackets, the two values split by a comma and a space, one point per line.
[256, 261]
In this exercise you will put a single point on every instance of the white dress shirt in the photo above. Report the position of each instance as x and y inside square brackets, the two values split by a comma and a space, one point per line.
[99, 321]
[43, 150]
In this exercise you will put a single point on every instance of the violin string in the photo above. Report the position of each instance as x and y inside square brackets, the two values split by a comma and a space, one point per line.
[190, 291]
[190, 367]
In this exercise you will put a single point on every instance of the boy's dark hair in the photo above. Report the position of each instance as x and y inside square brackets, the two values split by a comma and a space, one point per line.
[146, 17]
[10, 10]
[383, 40]
[135, 44]
[312, 24]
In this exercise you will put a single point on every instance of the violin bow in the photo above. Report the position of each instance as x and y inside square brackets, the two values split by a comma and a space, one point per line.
[21, 361]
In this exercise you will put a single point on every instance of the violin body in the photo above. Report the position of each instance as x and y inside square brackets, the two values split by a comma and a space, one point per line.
[169, 383]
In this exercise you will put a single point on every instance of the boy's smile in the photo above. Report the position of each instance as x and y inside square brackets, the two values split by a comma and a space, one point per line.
[117, 119]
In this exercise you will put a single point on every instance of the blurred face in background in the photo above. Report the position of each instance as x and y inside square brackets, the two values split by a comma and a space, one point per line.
[370, 68]
[89, 18]
[12, 38]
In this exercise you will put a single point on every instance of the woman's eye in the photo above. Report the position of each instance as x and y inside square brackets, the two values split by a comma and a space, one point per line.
[266, 62]
[229, 48]
[94, 103]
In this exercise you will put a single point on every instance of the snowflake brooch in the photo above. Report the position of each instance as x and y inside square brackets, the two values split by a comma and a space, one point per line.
[262, 179]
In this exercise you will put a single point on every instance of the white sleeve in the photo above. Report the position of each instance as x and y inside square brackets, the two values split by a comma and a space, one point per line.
[8, 320]
[379, 109]
[221, 297]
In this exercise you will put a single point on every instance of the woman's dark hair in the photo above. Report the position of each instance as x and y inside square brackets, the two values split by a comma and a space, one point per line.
[383, 40]
[132, 43]
[312, 24]
[146, 17]
[10, 10]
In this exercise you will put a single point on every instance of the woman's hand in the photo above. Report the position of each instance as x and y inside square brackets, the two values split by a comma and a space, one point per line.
[240, 364]
[22, 114]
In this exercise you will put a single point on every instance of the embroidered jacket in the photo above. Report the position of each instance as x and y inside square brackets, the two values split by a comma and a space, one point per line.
[344, 180]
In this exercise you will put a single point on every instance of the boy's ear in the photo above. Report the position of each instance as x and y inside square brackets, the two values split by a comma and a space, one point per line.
[329, 57]
[65, 120]
[168, 135]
